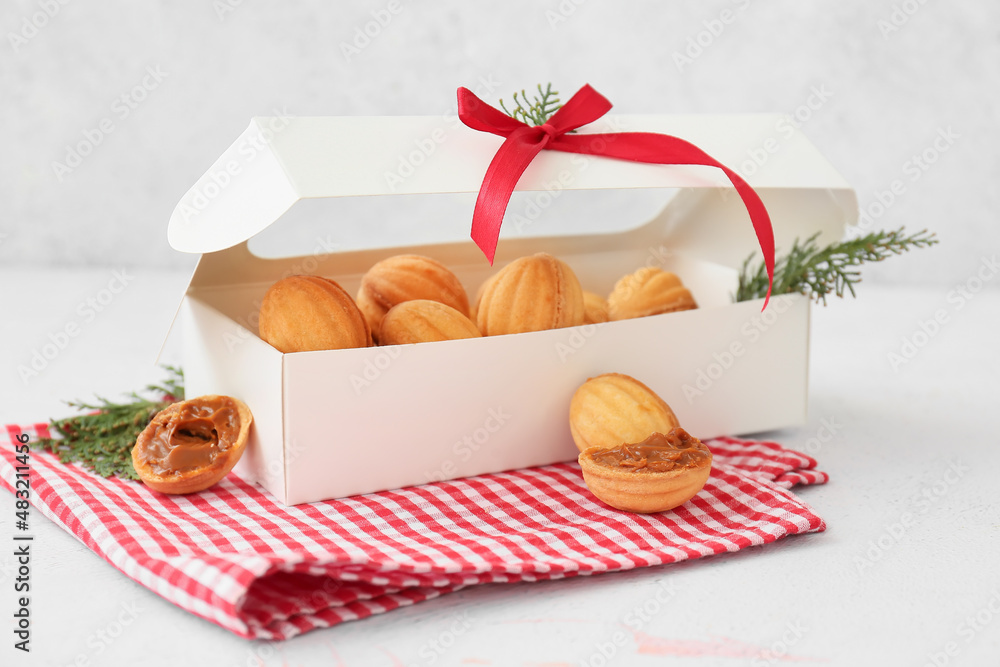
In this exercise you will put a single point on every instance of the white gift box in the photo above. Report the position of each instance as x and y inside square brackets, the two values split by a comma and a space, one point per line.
[336, 423]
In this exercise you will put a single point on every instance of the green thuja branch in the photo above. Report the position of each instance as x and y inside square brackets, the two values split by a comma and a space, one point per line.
[535, 112]
[102, 439]
[816, 272]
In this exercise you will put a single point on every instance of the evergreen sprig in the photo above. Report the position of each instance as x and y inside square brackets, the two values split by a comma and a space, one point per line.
[539, 110]
[816, 272]
[102, 440]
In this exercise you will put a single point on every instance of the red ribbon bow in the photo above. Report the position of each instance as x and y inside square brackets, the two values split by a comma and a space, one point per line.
[523, 142]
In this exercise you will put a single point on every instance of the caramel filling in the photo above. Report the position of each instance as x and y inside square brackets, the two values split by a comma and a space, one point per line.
[657, 453]
[193, 437]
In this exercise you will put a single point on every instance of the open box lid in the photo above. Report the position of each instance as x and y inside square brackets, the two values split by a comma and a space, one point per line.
[279, 161]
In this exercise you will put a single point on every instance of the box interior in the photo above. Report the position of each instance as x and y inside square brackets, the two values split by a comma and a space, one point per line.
[595, 259]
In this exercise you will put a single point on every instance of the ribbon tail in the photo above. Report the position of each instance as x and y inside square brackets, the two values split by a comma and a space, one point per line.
[761, 224]
[501, 178]
[655, 148]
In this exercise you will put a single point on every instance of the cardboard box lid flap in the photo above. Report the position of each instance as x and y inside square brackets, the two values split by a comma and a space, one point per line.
[279, 160]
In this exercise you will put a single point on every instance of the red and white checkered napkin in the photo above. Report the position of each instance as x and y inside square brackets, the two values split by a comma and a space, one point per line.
[237, 557]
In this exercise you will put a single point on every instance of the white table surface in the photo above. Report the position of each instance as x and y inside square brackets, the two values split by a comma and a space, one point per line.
[897, 433]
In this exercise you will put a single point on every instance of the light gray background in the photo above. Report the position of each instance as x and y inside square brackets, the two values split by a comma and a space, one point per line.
[889, 95]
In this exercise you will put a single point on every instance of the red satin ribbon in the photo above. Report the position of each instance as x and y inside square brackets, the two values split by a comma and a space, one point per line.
[523, 142]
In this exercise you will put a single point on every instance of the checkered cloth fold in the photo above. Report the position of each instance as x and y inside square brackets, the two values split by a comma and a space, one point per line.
[237, 557]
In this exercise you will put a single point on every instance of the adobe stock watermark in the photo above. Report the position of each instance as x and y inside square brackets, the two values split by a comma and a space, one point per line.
[639, 616]
[469, 444]
[424, 147]
[778, 650]
[412, 159]
[899, 16]
[784, 129]
[215, 182]
[913, 169]
[257, 654]
[921, 503]
[751, 331]
[656, 258]
[365, 34]
[104, 637]
[87, 311]
[243, 326]
[321, 597]
[577, 337]
[957, 298]
[970, 627]
[635, 619]
[432, 650]
[34, 23]
[825, 434]
[273, 471]
[575, 340]
[702, 41]
[374, 366]
[223, 8]
[539, 201]
[121, 108]
[563, 11]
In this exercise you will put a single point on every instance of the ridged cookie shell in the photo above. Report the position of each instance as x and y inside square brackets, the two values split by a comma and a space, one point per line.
[648, 291]
[533, 293]
[424, 321]
[401, 278]
[306, 313]
[614, 409]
